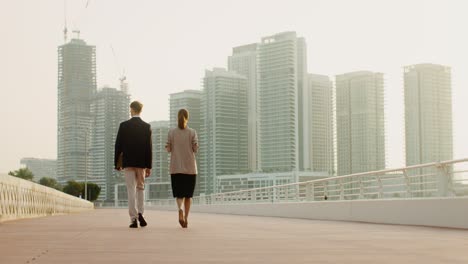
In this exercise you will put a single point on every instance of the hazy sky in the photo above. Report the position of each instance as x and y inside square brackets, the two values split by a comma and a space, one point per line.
[165, 46]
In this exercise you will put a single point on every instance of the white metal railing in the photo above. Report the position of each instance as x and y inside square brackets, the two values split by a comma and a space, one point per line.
[437, 179]
[22, 199]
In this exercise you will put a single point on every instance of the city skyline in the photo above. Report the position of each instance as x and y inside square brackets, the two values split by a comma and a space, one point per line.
[437, 51]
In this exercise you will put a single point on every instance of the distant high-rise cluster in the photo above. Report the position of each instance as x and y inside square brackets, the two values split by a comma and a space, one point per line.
[289, 116]
[265, 118]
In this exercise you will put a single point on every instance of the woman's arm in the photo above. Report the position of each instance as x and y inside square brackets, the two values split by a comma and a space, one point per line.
[195, 142]
[169, 142]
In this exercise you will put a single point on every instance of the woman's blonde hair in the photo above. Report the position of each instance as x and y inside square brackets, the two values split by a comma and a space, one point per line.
[182, 118]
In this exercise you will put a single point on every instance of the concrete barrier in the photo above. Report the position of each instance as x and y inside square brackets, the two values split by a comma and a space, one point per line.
[24, 199]
[436, 212]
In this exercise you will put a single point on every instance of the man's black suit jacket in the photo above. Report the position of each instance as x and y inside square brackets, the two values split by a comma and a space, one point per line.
[134, 141]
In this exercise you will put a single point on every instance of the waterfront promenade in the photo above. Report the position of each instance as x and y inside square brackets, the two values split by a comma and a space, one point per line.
[103, 236]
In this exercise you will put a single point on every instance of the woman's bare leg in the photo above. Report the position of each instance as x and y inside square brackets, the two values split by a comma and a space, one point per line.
[187, 204]
[180, 201]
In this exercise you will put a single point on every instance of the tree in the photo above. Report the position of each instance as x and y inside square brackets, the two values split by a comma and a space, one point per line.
[50, 182]
[73, 188]
[23, 173]
[93, 191]
[77, 189]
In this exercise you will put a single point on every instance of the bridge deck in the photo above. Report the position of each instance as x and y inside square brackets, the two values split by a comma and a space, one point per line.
[102, 236]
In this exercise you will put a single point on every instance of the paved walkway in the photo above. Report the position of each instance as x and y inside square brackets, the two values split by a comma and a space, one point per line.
[102, 236]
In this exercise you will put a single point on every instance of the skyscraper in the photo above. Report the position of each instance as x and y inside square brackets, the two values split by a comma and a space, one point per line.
[428, 122]
[319, 112]
[76, 88]
[190, 100]
[244, 61]
[224, 132]
[281, 82]
[160, 181]
[360, 122]
[109, 108]
[428, 113]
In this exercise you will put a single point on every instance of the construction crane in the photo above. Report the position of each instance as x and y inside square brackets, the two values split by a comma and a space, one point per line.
[65, 21]
[122, 78]
[123, 84]
[65, 28]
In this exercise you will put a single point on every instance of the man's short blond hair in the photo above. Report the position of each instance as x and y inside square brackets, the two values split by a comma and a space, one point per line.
[136, 106]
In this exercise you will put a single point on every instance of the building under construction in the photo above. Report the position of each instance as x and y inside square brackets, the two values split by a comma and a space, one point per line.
[76, 89]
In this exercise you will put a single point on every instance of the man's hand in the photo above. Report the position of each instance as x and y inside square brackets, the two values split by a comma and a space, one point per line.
[147, 173]
[119, 168]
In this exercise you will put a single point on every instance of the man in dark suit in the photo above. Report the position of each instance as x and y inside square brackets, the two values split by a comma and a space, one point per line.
[133, 154]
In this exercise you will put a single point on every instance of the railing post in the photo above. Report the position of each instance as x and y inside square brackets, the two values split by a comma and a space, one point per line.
[325, 190]
[408, 184]
[341, 190]
[297, 193]
[381, 194]
[309, 192]
[312, 191]
[444, 181]
[361, 189]
[273, 196]
[202, 200]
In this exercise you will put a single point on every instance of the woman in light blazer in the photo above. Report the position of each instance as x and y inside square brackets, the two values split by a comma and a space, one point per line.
[182, 143]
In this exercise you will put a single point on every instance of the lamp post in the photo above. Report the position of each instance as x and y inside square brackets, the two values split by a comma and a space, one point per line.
[86, 167]
[86, 164]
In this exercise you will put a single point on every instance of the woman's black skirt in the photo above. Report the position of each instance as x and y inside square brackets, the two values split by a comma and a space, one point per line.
[183, 185]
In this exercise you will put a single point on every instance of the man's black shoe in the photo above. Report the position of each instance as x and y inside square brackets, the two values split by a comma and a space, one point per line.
[134, 224]
[141, 220]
